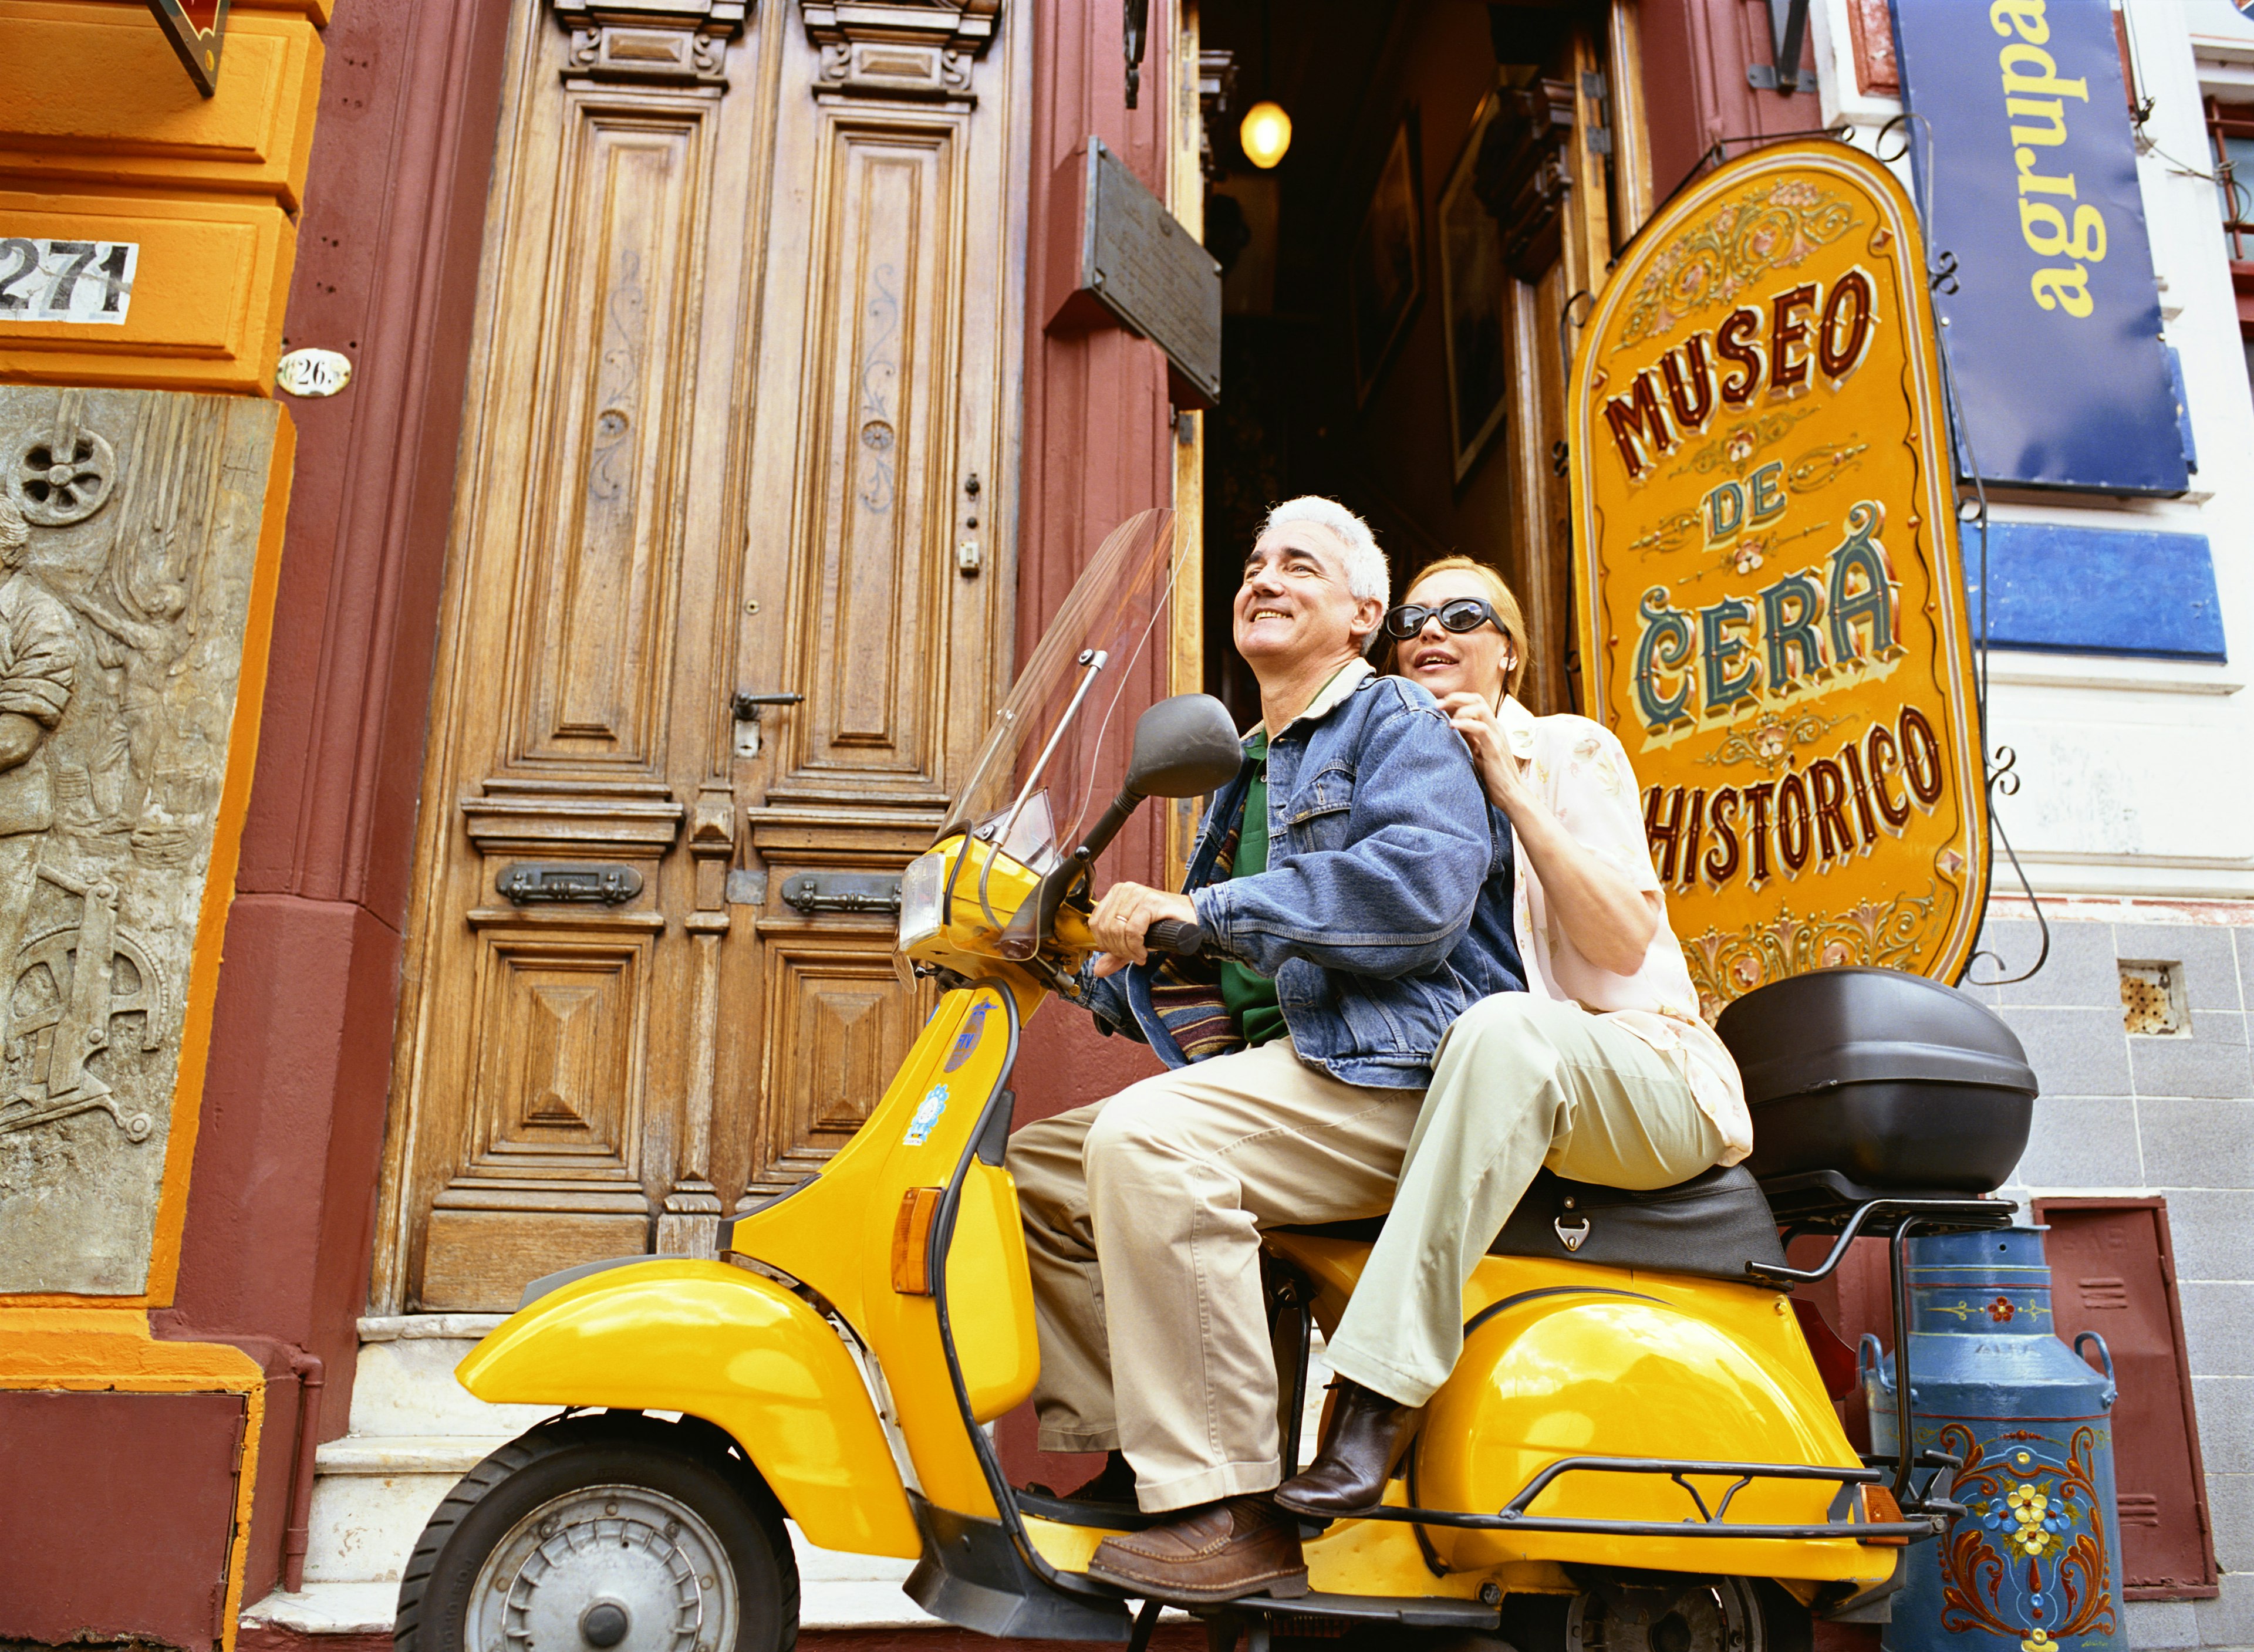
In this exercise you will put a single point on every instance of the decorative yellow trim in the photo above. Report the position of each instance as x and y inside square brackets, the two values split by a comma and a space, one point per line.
[208, 292]
[92, 95]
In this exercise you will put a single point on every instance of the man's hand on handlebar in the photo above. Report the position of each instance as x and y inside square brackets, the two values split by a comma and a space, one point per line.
[1122, 917]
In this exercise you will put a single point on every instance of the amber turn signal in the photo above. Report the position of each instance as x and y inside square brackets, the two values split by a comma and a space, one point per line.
[1879, 1508]
[912, 1242]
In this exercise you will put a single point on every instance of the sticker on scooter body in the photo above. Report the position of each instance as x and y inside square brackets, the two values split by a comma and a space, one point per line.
[926, 1115]
[966, 1042]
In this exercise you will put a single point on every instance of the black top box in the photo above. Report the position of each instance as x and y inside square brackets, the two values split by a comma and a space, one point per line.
[1892, 1079]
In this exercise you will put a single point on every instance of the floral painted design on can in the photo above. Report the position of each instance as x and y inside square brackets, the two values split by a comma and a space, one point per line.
[2029, 1562]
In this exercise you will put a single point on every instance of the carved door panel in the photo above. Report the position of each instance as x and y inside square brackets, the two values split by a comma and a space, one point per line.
[746, 346]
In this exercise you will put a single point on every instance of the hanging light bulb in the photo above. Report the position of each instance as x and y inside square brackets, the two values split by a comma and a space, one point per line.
[1266, 134]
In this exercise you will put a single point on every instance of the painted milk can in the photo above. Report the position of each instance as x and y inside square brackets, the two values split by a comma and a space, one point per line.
[2034, 1563]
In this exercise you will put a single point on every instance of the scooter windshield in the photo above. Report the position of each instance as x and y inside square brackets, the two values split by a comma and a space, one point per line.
[1058, 749]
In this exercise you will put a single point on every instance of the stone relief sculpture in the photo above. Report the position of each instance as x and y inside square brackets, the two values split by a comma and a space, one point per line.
[130, 528]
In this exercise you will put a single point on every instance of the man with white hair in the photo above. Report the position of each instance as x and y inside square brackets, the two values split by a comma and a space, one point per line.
[1353, 898]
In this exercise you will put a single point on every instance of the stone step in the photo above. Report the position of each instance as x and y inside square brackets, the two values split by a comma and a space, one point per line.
[452, 1455]
[368, 1608]
[403, 1380]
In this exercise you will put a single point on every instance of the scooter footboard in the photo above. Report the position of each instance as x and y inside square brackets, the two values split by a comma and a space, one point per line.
[725, 1344]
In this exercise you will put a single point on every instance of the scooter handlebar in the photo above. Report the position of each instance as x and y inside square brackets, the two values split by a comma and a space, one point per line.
[1172, 934]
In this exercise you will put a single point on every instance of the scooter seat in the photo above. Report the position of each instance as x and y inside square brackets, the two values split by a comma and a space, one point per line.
[1710, 1226]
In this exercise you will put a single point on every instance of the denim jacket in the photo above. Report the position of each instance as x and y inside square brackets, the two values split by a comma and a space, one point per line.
[1383, 853]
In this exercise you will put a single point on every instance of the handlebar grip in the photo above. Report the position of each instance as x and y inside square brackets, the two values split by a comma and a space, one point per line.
[1172, 934]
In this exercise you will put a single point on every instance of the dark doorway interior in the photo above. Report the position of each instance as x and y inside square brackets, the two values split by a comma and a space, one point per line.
[1365, 342]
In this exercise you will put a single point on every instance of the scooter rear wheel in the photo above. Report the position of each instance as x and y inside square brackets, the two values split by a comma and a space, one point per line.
[625, 1534]
[1655, 1613]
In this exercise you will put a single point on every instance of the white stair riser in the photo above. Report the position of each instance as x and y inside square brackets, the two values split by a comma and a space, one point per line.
[364, 1526]
[408, 1387]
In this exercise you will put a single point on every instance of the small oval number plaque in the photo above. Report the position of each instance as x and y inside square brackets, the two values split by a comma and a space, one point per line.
[313, 372]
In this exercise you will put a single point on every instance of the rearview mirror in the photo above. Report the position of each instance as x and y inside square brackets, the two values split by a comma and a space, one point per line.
[1184, 747]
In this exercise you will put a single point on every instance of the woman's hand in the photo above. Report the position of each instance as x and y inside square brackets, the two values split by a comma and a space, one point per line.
[1499, 772]
[1122, 917]
[1607, 919]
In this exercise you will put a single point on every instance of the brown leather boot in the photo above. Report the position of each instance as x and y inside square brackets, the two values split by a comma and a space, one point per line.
[1361, 1447]
[1217, 1552]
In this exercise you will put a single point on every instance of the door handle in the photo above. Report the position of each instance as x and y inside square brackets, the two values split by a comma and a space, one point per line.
[746, 705]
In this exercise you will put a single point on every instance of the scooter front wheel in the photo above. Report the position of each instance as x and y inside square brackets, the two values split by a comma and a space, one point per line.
[617, 1534]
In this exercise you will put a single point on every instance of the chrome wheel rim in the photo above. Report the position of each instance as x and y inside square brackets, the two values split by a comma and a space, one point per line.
[1717, 1615]
[606, 1569]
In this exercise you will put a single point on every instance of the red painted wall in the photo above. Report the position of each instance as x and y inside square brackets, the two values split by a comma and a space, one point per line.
[1694, 91]
[1098, 447]
[1098, 444]
[281, 1208]
[137, 1545]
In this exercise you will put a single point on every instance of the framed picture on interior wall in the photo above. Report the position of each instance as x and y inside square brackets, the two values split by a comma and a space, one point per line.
[1385, 273]
[1474, 288]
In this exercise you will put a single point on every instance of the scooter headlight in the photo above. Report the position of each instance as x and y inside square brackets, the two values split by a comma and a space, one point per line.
[921, 888]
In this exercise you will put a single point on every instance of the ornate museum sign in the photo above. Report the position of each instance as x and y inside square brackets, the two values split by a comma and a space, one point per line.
[198, 32]
[1766, 561]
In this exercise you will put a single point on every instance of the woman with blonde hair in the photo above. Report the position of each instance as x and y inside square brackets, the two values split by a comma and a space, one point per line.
[1601, 1070]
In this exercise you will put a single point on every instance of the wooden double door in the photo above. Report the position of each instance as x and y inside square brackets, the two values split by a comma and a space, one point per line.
[745, 377]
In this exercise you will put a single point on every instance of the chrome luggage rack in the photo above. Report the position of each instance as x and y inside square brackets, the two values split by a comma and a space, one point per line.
[1818, 1201]
[1825, 1202]
[1712, 1522]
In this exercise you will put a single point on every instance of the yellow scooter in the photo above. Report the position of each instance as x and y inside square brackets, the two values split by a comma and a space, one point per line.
[1636, 1452]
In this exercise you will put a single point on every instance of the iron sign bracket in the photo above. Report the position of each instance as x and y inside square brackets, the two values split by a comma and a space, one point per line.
[1782, 74]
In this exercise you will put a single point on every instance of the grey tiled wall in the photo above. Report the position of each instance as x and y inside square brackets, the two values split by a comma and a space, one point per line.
[2173, 1116]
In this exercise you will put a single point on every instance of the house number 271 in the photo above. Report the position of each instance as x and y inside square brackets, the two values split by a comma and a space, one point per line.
[82, 281]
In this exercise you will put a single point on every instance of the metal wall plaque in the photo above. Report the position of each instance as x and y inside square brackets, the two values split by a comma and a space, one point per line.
[600, 882]
[1137, 266]
[813, 892]
[312, 373]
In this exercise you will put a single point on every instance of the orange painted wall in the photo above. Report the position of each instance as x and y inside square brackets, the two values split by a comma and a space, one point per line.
[103, 137]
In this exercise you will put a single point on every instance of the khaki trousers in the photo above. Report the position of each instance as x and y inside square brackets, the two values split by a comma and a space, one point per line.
[1143, 1216]
[1519, 1083]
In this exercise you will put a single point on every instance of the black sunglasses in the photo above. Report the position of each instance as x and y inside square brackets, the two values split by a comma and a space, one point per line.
[1458, 614]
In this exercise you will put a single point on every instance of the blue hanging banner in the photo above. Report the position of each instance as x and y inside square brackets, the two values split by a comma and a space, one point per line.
[2030, 184]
